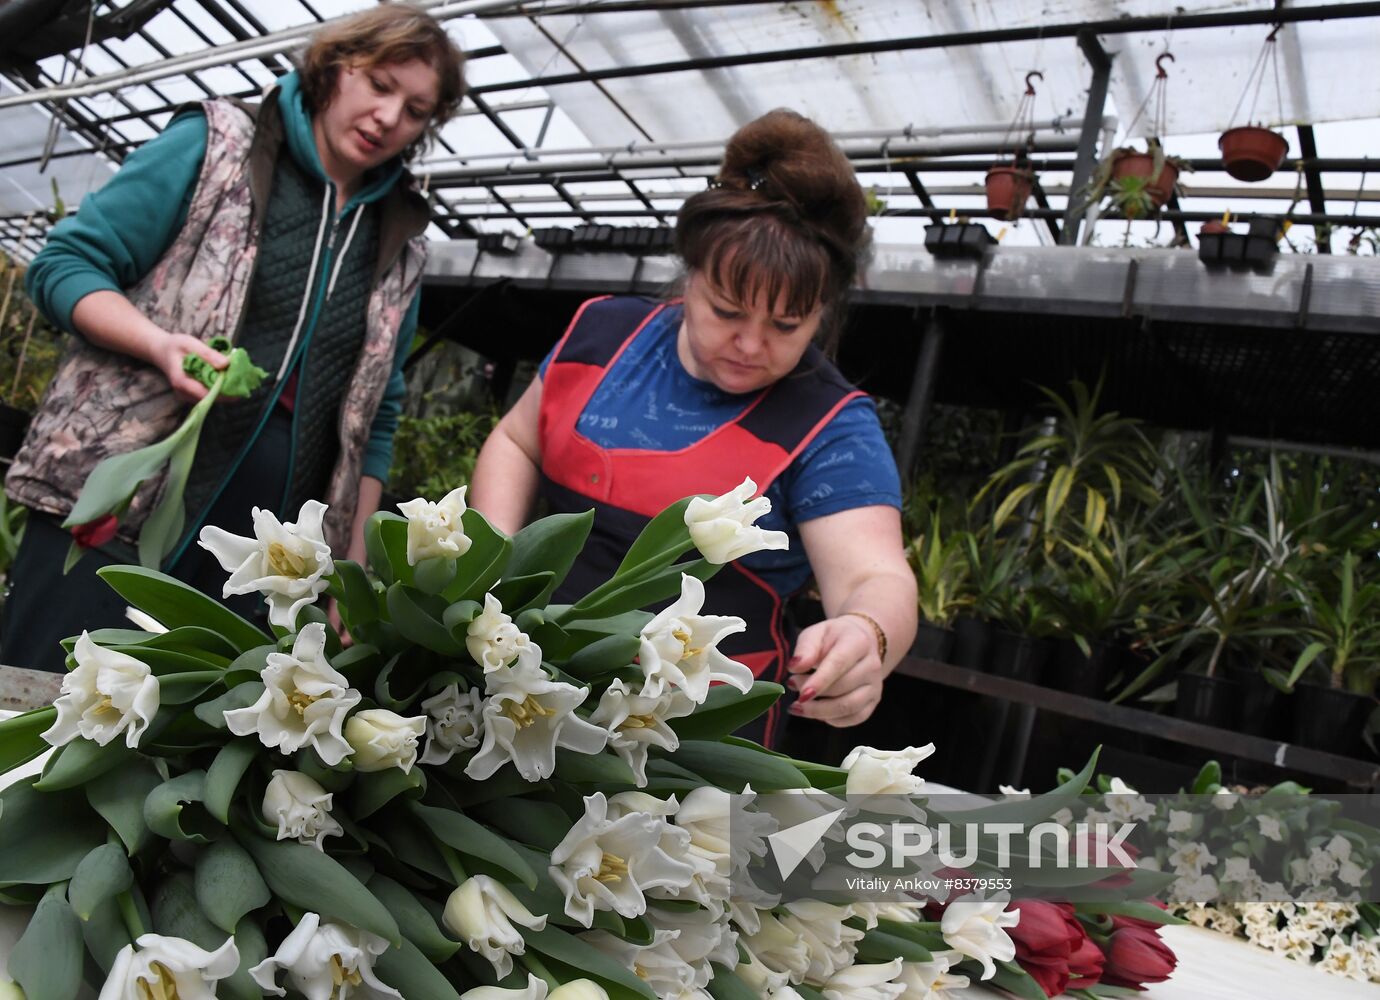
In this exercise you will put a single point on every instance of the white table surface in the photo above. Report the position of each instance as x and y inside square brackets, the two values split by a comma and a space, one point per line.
[1212, 965]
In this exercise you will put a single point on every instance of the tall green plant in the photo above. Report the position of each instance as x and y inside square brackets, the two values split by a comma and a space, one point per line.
[941, 573]
[1345, 633]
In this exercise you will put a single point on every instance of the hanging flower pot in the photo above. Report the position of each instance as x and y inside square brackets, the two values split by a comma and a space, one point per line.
[1008, 187]
[1158, 185]
[1251, 152]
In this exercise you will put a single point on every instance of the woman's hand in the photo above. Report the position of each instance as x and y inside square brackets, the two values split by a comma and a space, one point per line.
[167, 354]
[837, 672]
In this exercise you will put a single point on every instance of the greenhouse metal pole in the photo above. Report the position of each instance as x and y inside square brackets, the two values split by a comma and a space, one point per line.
[1083, 162]
[921, 393]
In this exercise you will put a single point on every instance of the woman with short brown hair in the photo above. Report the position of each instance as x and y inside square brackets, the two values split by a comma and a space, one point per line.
[642, 403]
[290, 227]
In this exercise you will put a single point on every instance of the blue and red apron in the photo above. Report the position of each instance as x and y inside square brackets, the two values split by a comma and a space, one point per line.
[626, 487]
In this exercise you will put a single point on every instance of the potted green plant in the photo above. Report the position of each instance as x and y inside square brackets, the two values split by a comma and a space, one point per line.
[1135, 183]
[1020, 644]
[1344, 647]
[994, 564]
[941, 572]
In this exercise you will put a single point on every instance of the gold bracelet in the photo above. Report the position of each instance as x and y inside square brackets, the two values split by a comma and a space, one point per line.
[881, 636]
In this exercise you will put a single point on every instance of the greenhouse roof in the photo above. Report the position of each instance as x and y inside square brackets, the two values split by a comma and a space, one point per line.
[613, 111]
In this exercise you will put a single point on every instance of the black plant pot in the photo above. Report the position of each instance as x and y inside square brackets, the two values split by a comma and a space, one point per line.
[933, 642]
[1078, 673]
[972, 643]
[1213, 701]
[1020, 657]
[1331, 719]
[1264, 708]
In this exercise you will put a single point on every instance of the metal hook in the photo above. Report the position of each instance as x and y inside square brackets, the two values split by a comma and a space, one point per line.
[1030, 87]
[1159, 65]
[1271, 36]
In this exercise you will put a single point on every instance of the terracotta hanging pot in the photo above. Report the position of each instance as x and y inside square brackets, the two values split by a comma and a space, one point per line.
[1252, 153]
[1136, 164]
[1008, 187]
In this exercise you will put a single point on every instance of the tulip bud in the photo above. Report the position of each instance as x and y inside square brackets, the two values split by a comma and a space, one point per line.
[481, 912]
[300, 807]
[9, 991]
[578, 989]
[1136, 956]
[382, 739]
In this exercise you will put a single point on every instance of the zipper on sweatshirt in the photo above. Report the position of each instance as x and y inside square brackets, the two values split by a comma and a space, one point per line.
[315, 294]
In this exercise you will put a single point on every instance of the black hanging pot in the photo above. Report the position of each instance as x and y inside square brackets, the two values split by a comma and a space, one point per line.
[1080, 673]
[1213, 701]
[933, 642]
[1018, 656]
[1331, 719]
[972, 641]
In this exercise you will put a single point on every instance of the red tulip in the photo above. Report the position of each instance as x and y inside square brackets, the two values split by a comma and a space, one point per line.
[1053, 948]
[1136, 956]
[94, 534]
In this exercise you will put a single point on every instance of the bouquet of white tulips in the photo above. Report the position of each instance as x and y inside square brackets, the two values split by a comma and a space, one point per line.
[482, 795]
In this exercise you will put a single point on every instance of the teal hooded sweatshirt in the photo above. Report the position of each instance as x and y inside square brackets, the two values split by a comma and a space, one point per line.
[122, 230]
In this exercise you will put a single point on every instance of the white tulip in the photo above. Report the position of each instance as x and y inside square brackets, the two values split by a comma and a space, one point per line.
[169, 967]
[830, 943]
[885, 772]
[703, 885]
[435, 530]
[976, 928]
[145, 621]
[657, 964]
[784, 993]
[778, 948]
[326, 961]
[637, 722]
[608, 864]
[723, 530]
[792, 806]
[679, 647]
[526, 716]
[579, 989]
[865, 982]
[287, 563]
[700, 938]
[535, 990]
[932, 980]
[495, 642]
[760, 979]
[455, 722]
[9, 991]
[305, 701]
[481, 911]
[382, 739]
[301, 808]
[108, 693]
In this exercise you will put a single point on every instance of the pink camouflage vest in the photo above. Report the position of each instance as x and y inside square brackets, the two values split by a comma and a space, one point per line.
[101, 403]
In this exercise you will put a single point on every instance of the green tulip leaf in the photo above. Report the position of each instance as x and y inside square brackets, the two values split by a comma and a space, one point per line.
[455, 829]
[46, 961]
[518, 592]
[174, 810]
[409, 972]
[549, 544]
[373, 791]
[726, 710]
[44, 836]
[224, 774]
[725, 985]
[228, 884]
[21, 738]
[241, 696]
[81, 760]
[569, 950]
[121, 803]
[103, 874]
[484, 564]
[175, 604]
[602, 657]
[176, 913]
[733, 767]
[414, 921]
[418, 617]
[307, 878]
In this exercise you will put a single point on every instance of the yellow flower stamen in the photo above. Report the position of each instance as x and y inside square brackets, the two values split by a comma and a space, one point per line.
[162, 987]
[526, 712]
[612, 868]
[340, 976]
[639, 722]
[300, 701]
[284, 562]
[682, 636]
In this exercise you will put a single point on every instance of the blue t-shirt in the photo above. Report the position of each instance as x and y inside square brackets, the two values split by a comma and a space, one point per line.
[649, 401]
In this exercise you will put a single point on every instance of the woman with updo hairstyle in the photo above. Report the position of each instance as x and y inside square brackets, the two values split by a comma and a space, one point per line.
[643, 402]
[289, 226]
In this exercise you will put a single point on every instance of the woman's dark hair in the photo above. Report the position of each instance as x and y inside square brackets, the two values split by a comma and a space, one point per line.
[785, 217]
[387, 34]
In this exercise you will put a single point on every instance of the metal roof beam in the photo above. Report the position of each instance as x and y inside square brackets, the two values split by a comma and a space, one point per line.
[1317, 201]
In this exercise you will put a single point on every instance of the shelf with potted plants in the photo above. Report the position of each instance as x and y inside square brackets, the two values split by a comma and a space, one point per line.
[1120, 573]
